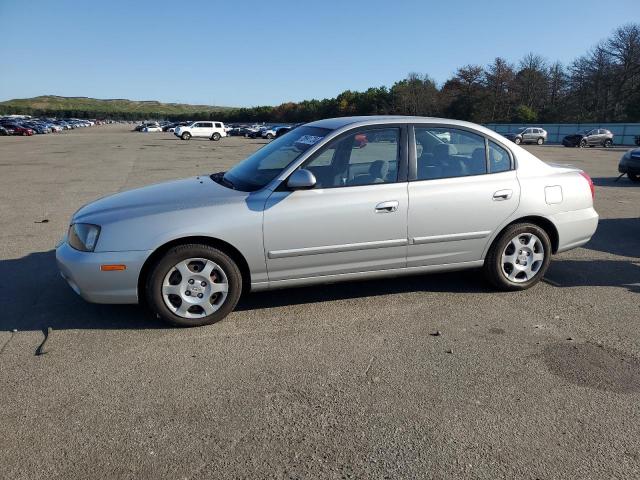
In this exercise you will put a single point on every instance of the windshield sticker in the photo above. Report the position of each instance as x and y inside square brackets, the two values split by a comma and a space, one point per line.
[308, 139]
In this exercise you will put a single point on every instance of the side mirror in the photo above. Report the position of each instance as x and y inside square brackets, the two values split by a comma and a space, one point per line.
[301, 180]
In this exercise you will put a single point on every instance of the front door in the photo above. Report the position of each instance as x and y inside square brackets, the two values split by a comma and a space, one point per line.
[463, 191]
[353, 220]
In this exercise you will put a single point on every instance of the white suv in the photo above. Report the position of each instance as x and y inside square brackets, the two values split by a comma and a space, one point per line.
[211, 130]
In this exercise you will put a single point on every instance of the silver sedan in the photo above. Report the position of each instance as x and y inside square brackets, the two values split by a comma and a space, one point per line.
[337, 199]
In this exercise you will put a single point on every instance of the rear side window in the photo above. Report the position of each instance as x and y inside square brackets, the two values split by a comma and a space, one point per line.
[499, 159]
[449, 152]
[218, 125]
[207, 125]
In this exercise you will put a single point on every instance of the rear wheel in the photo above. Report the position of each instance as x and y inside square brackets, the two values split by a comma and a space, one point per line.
[634, 177]
[215, 137]
[193, 285]
[185, 136]
[518, 258]
[540, 141]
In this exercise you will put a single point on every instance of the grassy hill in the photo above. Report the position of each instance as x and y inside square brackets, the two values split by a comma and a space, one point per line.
[116, 107]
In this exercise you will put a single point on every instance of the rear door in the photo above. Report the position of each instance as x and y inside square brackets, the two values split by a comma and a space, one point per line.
[354, 220]
[206, 129]
[593, 138]
[460, 192]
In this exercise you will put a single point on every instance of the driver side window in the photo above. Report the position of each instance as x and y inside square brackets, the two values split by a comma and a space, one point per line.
[365, 157]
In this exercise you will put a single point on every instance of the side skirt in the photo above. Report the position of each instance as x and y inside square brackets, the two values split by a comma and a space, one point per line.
[343, 277]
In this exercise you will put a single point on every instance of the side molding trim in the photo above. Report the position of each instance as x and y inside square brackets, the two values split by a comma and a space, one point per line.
[450, 237]
[349, 247]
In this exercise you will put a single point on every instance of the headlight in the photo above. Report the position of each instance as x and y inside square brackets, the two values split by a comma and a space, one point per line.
[83, 236]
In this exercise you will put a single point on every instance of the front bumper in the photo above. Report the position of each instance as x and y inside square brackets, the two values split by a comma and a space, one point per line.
[631, 165]
[82, 272]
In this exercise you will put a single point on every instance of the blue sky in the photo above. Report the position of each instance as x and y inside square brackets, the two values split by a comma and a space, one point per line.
[246, 53]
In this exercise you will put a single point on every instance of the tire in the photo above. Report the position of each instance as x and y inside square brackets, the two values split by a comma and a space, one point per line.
[269, 136]
[182, 308]
[215, 137]
[185, 136]
[634, 177]
[608, 143]
[508, 276]
[540, 141]
[517, 141]
[583, 143]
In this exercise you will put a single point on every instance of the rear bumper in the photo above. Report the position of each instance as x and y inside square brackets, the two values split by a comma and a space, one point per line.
[82, 272]
[575, 228]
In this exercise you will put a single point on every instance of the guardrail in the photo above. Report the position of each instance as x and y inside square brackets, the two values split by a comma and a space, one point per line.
[624, 133]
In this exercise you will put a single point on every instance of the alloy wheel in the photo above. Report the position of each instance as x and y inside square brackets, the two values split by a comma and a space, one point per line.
[522, 258]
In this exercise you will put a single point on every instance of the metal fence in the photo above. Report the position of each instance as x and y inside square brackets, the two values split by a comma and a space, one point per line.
[624, 133]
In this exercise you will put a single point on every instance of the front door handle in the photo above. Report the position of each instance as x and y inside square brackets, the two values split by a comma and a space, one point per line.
[502, 195]
[387, 207]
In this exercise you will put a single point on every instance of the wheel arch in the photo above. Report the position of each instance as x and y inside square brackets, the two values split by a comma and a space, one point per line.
[221, 245]
[542, 222]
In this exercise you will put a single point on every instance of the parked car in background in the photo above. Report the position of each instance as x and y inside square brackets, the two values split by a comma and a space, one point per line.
[630, 164]
[152, 127]
[600, 137]
[282, 130]
[190, 247]
[238, 131]
[37, 127]
[18, 129]
[272, 132]
[528, 135]
[4, 132]
[207, 129]
[256, 131]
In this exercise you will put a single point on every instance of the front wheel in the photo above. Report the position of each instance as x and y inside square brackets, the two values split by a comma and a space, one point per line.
[518, 258]
[185, 136]
[608, 143]
[540, 141]
[215, 137]
[193, 285]
[583, 143]
[634, 177]
[269, 136]
[517, 141]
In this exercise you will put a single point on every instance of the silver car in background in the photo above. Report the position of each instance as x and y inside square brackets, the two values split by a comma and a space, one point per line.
[535, 135]
[337, 199]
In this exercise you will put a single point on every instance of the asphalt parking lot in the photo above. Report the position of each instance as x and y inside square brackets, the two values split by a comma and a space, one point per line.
[342, 381]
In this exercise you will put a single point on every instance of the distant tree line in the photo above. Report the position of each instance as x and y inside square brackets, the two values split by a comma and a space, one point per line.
[602, 85]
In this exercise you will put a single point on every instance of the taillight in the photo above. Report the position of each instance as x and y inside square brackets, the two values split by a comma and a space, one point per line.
[590, 182]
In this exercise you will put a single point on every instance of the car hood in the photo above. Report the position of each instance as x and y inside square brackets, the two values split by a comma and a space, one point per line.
[634, 154]
[154, 199]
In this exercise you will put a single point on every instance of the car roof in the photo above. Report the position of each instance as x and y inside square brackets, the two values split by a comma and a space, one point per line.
[361, 121]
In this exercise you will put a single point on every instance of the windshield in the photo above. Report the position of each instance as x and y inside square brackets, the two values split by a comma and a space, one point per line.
[259, 169]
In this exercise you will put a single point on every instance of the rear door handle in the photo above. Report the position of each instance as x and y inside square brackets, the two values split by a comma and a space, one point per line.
[502, 195]
[387, 207]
